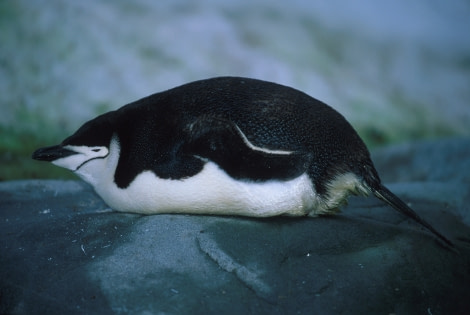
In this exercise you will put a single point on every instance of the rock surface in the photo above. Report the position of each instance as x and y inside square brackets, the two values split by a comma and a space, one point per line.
[64, 252]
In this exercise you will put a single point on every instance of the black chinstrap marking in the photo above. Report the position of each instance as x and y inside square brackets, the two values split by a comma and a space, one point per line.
[92, 159]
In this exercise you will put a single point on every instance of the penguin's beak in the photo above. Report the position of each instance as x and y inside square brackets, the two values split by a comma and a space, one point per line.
[52, 153]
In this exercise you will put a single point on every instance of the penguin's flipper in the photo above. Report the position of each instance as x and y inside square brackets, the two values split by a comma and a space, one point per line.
[223, 142]
[386, 195]
[164, 161]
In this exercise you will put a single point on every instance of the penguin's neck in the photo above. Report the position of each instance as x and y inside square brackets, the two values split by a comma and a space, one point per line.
[100, 172]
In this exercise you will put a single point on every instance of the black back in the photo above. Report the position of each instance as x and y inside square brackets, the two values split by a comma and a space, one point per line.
[174, 132]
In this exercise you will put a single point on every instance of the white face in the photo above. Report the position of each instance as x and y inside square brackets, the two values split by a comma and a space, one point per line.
[88, 163]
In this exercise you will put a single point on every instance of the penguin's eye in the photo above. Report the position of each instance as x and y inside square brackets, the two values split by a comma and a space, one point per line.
[97, 151]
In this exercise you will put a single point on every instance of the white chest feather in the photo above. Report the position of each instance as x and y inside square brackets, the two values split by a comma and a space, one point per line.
[211, 191]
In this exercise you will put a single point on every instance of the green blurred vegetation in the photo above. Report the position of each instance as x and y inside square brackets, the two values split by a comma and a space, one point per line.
[16, 148]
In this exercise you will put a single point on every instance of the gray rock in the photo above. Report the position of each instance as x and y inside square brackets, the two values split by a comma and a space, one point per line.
[437, 171]
[64, 252]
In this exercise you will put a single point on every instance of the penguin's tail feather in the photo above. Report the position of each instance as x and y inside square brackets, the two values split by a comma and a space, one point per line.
[386, 195]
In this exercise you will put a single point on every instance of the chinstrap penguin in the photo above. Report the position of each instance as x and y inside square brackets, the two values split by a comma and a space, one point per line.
[227, 146]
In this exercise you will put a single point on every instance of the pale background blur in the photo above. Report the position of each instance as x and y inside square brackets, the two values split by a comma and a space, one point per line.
[398, 70]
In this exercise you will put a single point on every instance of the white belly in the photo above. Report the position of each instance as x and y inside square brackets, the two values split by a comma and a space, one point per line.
[211, 191]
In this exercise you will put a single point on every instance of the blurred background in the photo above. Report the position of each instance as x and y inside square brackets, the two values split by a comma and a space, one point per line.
[397, 70]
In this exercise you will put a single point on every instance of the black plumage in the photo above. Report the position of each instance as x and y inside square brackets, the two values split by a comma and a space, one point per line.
[175, 132]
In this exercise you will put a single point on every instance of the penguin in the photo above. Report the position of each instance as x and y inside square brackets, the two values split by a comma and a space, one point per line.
[225, 146]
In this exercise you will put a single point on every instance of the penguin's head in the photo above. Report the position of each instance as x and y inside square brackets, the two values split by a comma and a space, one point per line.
[85, 152]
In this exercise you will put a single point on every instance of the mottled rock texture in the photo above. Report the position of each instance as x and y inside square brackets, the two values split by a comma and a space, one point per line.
[62, 251]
